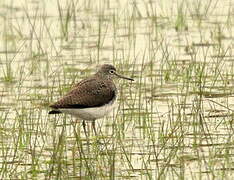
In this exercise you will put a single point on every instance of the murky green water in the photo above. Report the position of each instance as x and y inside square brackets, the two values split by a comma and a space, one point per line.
[174, 122]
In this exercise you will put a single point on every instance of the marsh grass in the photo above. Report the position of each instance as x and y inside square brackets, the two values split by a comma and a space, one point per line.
[173, 122]
[180, 23]
[8, 75]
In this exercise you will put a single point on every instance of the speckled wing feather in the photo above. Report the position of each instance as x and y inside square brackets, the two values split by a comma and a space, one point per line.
[91, 92]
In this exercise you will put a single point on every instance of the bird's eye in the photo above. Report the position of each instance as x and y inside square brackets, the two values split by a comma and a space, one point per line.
[111, 71]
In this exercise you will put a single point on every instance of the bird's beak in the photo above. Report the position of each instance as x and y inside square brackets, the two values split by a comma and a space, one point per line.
[123, 77]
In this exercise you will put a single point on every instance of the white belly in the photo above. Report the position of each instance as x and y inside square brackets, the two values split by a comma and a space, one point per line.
[90, 114]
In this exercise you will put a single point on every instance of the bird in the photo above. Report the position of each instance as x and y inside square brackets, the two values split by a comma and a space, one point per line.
[92, 98]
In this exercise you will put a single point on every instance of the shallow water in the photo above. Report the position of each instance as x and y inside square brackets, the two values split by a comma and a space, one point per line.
[173, 122]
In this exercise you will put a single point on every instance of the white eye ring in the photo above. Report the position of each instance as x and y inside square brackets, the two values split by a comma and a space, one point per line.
[111, 71]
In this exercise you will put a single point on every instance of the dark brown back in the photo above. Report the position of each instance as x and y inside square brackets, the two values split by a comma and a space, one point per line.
[91, 92]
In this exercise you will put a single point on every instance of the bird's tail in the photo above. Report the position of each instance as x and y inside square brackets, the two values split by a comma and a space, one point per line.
[55, 112]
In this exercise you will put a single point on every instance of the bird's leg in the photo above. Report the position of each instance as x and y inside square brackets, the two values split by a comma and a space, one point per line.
[84, 127]
[94, 128]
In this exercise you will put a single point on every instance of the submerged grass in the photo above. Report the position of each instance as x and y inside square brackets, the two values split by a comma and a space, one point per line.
[175, 120]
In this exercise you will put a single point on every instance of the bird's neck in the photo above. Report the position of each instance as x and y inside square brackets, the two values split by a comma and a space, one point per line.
[103, 76]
